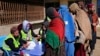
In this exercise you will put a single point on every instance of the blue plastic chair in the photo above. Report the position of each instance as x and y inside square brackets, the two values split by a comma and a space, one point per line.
[2, 38]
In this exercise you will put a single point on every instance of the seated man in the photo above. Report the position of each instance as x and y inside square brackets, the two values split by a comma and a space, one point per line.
[11, 43]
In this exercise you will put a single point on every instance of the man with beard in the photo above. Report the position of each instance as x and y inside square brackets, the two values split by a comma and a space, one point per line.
[84, 26]
[94, 22]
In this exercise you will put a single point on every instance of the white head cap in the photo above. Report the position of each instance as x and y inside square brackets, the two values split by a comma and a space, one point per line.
[25, 25]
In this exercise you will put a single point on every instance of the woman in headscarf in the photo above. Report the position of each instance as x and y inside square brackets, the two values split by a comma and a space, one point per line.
[26, 32]
[69, 29]
[83, 24]
[55, 34]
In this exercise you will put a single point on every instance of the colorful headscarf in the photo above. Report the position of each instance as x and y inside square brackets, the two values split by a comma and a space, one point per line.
[90, 5]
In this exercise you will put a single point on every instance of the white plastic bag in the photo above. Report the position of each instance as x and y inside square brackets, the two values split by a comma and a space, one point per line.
[34, 48]
[31, 45]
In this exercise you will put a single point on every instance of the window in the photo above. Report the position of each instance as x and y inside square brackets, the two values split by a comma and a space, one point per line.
[15, 11]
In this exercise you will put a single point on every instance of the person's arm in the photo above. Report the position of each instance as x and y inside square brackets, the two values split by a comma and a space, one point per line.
[36, 36]
[33, 34]
[10, 43]
[97, 22]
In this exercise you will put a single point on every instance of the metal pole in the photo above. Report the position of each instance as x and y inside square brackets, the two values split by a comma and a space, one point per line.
[44, 9]
[26, 11]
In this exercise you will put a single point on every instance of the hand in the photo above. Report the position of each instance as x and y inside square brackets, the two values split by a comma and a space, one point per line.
[38, 36]
[25, 45]
[94, 24]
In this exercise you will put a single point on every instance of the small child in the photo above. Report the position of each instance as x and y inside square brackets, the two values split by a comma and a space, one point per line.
[42, 32]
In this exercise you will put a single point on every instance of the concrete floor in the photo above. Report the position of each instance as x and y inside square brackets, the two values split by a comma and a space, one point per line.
[97, 47]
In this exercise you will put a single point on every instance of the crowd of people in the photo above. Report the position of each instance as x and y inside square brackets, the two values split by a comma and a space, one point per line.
[68, 31]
